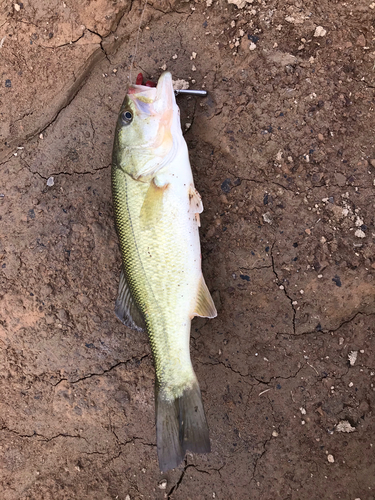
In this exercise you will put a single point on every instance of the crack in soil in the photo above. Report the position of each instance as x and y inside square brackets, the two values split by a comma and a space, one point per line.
[55, 174]
[90, 375]
[36, 434]
[282, 286]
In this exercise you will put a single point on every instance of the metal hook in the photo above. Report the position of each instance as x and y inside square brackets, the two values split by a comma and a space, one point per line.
[201, 93]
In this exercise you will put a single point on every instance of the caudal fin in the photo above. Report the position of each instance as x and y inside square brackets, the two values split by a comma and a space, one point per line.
[180, 426]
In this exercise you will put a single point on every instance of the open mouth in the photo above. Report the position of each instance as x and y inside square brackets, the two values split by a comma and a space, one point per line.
[154, 98]
[140, 85]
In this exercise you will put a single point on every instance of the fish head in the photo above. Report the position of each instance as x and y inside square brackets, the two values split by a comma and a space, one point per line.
[148, 129]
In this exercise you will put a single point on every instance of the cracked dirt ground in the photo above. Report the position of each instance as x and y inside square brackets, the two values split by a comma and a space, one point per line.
[282, 153]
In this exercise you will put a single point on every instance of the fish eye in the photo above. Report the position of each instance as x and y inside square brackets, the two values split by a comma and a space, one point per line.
[126, 117]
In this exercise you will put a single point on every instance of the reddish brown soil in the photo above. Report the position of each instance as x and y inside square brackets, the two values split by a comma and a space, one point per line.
[283, 155]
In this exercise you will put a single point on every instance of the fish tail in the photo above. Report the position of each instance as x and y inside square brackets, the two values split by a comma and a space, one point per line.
[181, 425]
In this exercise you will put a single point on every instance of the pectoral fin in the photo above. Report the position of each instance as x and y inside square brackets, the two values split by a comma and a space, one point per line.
[205, 306]
[152, 207]
[196, 204]
[126, 310]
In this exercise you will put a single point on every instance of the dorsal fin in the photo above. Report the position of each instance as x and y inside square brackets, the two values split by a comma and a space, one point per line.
[126, 310]
[205, 306]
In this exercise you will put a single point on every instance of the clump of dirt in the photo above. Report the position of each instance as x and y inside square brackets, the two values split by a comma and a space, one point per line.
[283, 156]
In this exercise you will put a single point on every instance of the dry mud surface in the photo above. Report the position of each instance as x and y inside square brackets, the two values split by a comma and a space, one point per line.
[283, 155]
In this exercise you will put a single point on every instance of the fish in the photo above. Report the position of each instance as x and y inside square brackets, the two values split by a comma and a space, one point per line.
[157, 217]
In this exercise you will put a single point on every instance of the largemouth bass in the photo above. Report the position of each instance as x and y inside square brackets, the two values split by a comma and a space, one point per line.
[161, 286]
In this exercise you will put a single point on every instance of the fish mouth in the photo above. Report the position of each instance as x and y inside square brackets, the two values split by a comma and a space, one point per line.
[154, 100]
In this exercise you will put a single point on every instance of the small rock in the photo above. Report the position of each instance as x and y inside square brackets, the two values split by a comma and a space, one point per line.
[163, 484]
[50, 181]
[360, 234]
[267, 218]
[330, 459]
[225, 186]
[352, 357]
[17, 7]
[49, 319]
[340, 179]
[46, 290]
[320, 31]
[372, 162]
[252, 46]
[361, 40]
[320, 137]
[275, 433]
[240, 3]
[337, 280]
[180, 84]
[344, 426]
[62, 315]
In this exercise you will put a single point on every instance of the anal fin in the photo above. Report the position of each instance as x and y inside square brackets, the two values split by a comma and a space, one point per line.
[126, 310]
[204, 306]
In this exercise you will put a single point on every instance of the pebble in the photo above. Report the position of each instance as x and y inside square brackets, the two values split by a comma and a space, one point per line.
[252, 46]
[163, 484]
[267, 218]
[330, 459]
[340, 179]
[50, 181]
[352, 357]
[240, 3]
[360, 234]
[320, 31]
[180, 84]
[361, 41]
